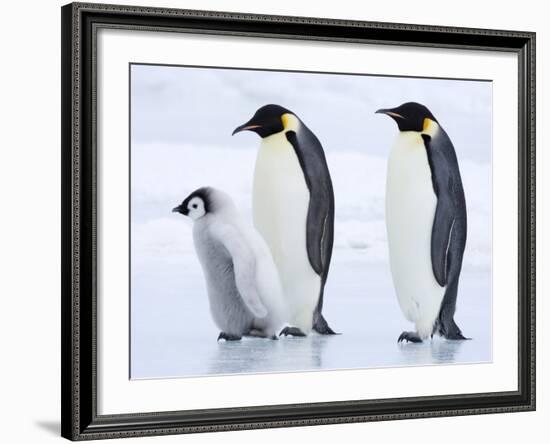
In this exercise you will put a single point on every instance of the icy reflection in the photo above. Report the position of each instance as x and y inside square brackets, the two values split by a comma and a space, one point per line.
[438, 351]
[253, 355]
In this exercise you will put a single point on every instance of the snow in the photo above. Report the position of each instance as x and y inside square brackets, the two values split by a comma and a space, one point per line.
[359, 186]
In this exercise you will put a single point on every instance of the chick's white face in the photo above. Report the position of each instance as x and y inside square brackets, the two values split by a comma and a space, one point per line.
[196, 208]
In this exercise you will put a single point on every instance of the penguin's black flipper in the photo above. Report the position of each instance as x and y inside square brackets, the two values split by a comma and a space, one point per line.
[445, 212]
[320, 215]
[441, 236]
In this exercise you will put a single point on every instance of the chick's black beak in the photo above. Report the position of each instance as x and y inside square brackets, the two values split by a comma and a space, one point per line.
[179, 209]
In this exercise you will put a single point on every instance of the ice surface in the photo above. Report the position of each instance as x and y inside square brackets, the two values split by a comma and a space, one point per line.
[173, 334]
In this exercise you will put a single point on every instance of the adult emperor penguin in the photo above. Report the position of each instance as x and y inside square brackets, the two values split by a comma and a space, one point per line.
[293, 207]
[426, 222]
[242, 281]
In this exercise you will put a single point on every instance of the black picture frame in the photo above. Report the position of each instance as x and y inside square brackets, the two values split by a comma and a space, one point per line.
[79, 211]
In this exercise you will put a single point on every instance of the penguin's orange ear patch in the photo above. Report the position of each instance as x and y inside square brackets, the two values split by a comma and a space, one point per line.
[426, 125]
[290, 122]
[285, 120]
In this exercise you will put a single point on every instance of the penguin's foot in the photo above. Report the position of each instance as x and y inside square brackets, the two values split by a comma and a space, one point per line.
[456, 336]
[409, 336]
[256, 333]
[292, 331]
[228, 337]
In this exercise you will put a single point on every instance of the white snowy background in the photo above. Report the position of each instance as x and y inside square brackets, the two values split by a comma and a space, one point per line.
[181, 124]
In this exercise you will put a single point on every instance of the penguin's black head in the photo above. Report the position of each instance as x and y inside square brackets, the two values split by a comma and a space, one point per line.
[410, 116]
[268, 120]
[196, 205]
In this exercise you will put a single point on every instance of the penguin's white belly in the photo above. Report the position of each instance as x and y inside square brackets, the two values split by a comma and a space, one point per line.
[280, 207]
[410, 211]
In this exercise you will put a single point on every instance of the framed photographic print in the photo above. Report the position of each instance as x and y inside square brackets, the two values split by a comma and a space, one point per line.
[281, 221]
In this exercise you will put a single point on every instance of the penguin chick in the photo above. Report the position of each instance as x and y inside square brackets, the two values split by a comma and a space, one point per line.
[242, 282]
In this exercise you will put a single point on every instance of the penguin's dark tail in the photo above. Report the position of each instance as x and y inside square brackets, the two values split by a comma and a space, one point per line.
[320, 325]
[449, 330]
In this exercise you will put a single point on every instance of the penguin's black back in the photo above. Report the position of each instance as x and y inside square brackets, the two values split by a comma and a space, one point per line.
[320, 217]
[449, 230]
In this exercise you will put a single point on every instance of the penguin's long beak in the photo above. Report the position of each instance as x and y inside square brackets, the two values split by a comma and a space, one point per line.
[245, 127]
[390, 112]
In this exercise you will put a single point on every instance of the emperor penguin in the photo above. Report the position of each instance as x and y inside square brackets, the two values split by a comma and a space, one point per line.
[293, 209]
[426, 222]
[242, 281]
